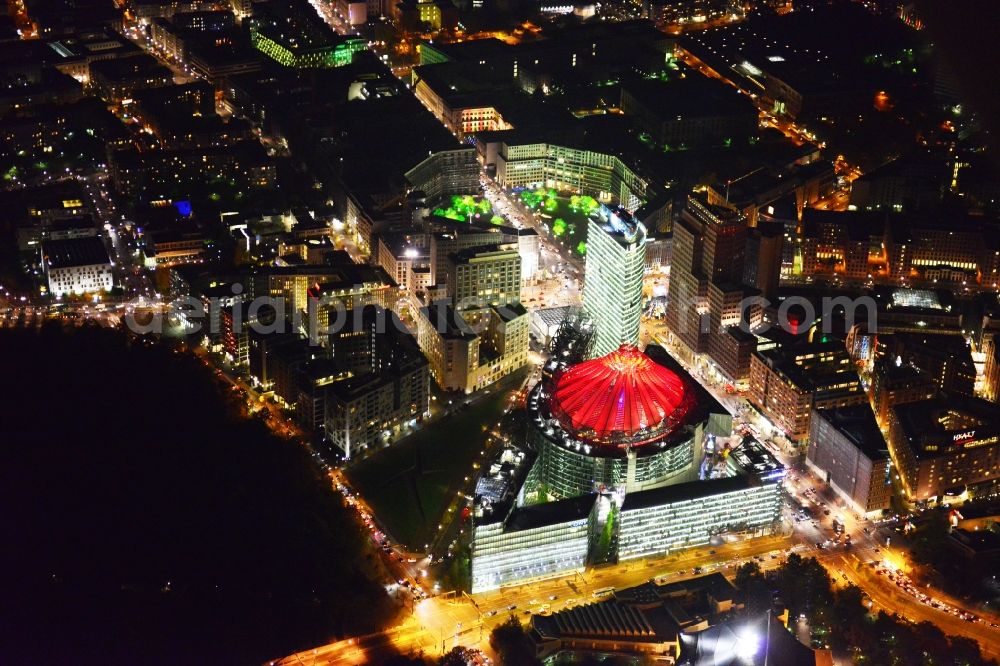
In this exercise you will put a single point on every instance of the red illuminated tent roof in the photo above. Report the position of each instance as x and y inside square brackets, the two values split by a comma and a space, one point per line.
[622, 398]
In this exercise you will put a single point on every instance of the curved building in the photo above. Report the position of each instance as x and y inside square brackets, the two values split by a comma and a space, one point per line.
[621, 421]
[626, 460]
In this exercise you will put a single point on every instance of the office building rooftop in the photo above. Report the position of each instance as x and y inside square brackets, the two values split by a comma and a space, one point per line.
[75, 252]
[857, 423]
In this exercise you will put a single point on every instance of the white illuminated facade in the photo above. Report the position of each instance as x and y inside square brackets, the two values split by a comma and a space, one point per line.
[626, 457]
[77, 266]
[654, 525]
[612, 288]
[526, 545]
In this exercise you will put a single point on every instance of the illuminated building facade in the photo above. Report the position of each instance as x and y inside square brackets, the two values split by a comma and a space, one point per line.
[303, 58]
[848, 451]
[690, 514]
[858, 246]
[158, 173]
[850, 246]
[945, 446]
[991, 369]
[336, 289]
[947, 359]
[361, 386]
[77, 266]
[445, 173]
[356, 11]
[696, 12]
[406, 258]
[464, 360]
[787, 383]
[532, 541]
[241, 8]
[168, 38]
[612, 286]
[485, 275]
[612, 422]
[618, 449]
[421, 15]
[461, 113]
[705, 293]
[389, 386]
[601, 175]
[171, 247]
[896, 383]
[449, 237]
[300, 43]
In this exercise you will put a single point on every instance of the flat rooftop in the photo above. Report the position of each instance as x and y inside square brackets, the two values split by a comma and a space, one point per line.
[123, 69]
[857, 423]
[481, 251]
[814, 366]
[690, 97]
[947, 423]
[550, 513]
[680, 492]
[447, 322]
[344, 274]
[901, 375]
[75, 252]
[818, 47]
[510, 311]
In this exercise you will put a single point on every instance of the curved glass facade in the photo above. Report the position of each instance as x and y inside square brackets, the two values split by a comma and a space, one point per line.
[568, 471]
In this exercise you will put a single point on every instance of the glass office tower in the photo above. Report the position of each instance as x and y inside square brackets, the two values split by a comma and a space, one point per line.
[612, 286]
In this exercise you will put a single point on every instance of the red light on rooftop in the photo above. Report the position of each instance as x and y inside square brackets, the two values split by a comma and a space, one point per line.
[624, 398]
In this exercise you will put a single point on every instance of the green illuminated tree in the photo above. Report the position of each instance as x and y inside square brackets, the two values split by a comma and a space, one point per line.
[531, 199]
[450, 213]
[603, 547]
[558, 227]
[588, 204]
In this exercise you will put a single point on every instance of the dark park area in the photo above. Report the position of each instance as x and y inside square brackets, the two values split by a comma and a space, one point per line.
[148, 522]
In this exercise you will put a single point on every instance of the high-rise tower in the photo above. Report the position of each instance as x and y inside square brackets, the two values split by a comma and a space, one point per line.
[612, 287]
[706, 292]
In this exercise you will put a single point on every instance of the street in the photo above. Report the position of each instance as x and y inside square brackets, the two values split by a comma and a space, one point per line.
[439, 623]
[559, 279]
[816, 524]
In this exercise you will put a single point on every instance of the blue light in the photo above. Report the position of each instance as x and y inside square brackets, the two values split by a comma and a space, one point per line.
[183, 207]
[776, 474]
